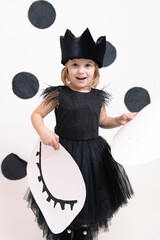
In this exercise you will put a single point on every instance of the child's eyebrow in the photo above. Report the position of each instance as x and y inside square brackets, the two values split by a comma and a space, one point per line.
[73, 60]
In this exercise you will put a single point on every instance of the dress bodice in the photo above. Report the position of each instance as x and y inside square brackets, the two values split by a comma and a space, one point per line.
[77, 115]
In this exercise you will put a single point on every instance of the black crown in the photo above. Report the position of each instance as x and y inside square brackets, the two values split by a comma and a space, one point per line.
[82, 47]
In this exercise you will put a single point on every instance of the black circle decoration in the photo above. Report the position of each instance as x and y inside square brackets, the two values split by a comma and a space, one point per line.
[41, 14]
[110, 54]
[13, 167]
[136, 99]
[25, 85]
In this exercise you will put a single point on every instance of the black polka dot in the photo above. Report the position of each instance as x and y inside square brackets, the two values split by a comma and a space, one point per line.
[25, 85]
[110, 54]
[136, 99]
[13, 167]
[41, 14]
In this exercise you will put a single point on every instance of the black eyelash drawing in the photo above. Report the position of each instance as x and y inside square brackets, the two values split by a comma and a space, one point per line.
[45, 189]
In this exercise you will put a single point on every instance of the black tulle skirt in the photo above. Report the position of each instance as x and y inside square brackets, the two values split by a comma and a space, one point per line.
[108, 187]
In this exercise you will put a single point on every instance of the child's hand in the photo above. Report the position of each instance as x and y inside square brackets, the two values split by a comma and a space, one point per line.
[50, 138]
[126, 117]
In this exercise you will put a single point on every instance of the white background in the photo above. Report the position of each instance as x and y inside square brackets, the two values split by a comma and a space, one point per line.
[133, 28]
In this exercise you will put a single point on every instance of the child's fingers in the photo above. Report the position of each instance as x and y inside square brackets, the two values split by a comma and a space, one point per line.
[133, 115]
[129, 116]
[57, 137]
[56, 142]
[51, 140]
[126, 117]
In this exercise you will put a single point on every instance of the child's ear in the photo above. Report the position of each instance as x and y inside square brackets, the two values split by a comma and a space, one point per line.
[13, 167]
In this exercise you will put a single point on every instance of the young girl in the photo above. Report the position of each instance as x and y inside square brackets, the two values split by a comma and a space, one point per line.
[80, 110]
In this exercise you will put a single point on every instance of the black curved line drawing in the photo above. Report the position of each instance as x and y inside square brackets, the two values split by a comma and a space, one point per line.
[45, 189]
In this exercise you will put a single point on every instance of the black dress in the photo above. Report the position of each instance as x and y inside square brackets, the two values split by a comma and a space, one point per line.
[107, 184]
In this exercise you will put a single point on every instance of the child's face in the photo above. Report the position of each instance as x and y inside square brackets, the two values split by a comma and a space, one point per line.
[81, 73]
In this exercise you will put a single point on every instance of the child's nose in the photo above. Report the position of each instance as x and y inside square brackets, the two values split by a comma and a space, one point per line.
[81, 70]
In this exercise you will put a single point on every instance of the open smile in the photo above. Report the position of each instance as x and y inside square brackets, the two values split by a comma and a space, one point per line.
[81, 79]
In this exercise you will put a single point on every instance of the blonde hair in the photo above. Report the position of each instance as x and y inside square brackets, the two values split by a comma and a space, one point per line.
[65, 76]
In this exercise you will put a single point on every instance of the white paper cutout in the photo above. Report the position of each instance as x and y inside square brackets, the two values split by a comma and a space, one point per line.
[64, 181]
[138, 142]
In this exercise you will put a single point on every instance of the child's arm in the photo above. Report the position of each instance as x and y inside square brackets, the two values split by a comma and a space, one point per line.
[47, 136]
[112, 122]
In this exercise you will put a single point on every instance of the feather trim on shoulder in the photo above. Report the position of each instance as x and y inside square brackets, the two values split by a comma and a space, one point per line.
[51, 94]
[106, 97]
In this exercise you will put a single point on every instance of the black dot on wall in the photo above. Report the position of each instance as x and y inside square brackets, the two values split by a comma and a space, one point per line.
[25, 85]
[110, 54]
[41, 14]
[13, 167]
[136, 99]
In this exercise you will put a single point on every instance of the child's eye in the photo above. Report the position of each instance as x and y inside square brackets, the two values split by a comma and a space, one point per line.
[88, 65]
[74, 64]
